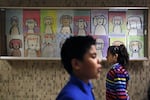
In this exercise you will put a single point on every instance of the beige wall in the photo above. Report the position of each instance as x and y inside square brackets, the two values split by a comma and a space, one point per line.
[43, 79]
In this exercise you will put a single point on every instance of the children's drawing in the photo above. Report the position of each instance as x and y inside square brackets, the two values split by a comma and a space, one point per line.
[60, 38]
[15, 45]
[82, 22]
[117, 40]
[135, 47]
[30, 25]
[81, 25]
[134, 23]
[66, 21]
[48, 22]
[99, 23]
[31, 20]
[14, 29]
[99, 46]
[14, 22]
[117, 24]
[117, 43]
[102, 43]
[49, 45]
[32, 45]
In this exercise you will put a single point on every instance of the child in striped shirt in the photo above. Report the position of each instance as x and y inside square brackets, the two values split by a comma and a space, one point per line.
[117, 77]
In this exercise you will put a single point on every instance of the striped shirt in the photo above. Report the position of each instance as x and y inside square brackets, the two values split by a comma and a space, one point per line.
[116, 83]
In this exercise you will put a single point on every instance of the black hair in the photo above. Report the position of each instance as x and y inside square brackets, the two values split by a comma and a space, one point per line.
[123, 56]
[75, 47]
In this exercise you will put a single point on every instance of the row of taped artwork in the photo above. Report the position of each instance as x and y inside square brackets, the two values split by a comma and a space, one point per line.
[41, 33]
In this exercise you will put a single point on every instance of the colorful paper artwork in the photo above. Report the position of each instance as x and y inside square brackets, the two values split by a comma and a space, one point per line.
[102, 43]
[31, 21]
[135, 23]
[118, 41]
[65, 21]
[117, 23]
[15, 45]
[42, 32]
[136, 46]
[60, 40]
[14, 22]
[48, 21]
[82, 22]
[99, 22]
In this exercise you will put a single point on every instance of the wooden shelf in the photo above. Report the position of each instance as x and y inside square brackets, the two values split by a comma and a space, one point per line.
[28, 58]
[53, 58]
[110, 8]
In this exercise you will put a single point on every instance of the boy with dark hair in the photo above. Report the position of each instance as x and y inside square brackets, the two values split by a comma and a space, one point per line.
[79, 58]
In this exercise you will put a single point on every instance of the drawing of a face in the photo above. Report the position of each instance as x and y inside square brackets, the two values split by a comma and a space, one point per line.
[100, 21]
[117, 20]
[133, 25]
[32, 42]
[81, 23]
[134, 22]
[14, 21]
[15, 44]
[49, 39]
[31, 23]
[135, 46]
[48, 20]
[117, 43]
[99, 44]
[66, 20]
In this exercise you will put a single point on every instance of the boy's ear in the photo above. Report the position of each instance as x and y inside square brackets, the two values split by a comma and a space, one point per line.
[75, 64]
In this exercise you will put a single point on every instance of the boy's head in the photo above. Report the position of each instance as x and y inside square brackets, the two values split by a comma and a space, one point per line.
[75, 47]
